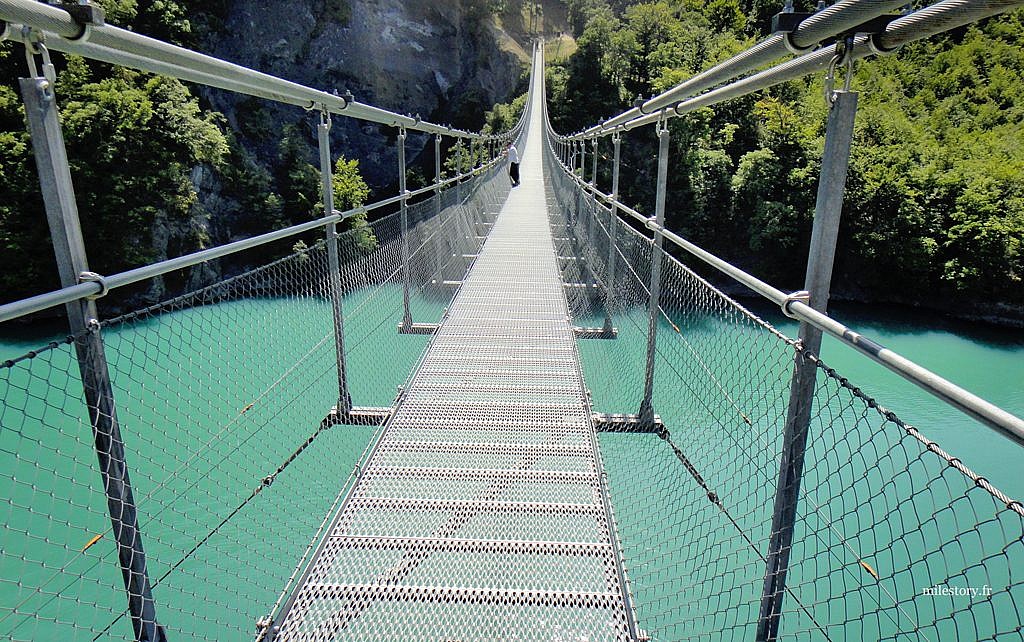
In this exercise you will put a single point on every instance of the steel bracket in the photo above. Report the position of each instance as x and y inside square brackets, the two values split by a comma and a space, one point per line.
[784, 22]
[92, 277]
[84, 13]
[787, 23]
[803, 296]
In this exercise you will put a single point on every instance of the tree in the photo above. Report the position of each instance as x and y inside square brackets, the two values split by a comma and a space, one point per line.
[298, 181]
[350, 192]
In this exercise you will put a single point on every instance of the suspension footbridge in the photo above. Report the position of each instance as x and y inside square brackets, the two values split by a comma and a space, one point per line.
[589, 440]
[481, 512]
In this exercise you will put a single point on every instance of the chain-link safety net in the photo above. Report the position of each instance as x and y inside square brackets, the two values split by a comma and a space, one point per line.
[224, 400]
[888, 524]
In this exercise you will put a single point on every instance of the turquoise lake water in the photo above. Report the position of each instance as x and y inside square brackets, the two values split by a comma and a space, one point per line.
[212, 399]
[870, 494]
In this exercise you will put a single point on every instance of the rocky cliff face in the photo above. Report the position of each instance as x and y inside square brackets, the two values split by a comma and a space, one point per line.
[438, 59]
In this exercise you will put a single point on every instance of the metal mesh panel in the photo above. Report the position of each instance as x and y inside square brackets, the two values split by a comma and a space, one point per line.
[887, 521]
[221, 395]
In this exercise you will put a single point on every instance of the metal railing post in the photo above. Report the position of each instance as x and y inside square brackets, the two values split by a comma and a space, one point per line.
[583, 160]
[323, 132]
[69, 247]
[437, 174]
[654, 310]
[586, 249]
[406, 314]
[582, 156]
[458, 172]
[613, 221]
[827, 212]
[438, 254]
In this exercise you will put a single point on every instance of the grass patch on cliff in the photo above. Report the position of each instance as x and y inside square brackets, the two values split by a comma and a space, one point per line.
[559, 48]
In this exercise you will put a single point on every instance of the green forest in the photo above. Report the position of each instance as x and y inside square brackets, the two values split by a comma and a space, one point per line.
[934, 212]
[142, 148]
[934, 206]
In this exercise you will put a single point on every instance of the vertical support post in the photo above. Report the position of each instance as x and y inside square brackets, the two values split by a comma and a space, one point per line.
[583, 160]
[592, 210]
[406, 314]
[613, 224]
[69, 247]
[582, 157]
[590, 201]
[458, 172]
[323, 132]
[437, 174]
[827, 211]
[654, 308]
[438, 254]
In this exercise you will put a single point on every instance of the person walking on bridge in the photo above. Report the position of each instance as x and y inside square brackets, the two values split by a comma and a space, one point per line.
[513, 164]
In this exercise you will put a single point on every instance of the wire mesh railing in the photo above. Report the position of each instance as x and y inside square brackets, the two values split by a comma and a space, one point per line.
[218, 391]
[893, 539]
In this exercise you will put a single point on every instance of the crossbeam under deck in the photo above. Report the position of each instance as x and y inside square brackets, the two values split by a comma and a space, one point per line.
[482, 512]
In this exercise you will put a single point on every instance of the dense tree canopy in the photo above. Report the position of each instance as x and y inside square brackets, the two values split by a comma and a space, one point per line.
[142, 148]
[933, 210]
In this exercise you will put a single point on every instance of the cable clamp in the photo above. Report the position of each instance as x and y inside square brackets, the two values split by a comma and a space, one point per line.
[263, 627]
[877, 49]
[803, 296]
[92, 277]
[791, 47]
[85, 14]
[638, 105]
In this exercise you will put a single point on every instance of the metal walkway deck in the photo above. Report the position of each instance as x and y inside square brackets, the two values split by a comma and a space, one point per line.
[481, 515]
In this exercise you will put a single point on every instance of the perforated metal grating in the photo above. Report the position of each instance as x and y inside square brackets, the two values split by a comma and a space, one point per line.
[481, 514]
